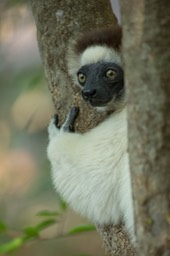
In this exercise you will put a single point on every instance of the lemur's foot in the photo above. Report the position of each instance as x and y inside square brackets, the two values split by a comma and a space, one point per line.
[68, 125]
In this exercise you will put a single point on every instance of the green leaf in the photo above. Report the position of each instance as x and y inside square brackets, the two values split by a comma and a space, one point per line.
[45, 224]
[80, 229]
[12, 245]
[3, 227]
[63, 205]
[47, 213]
[31, 232]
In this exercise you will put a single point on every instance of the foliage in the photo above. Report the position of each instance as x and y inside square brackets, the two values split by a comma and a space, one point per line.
[34, 232]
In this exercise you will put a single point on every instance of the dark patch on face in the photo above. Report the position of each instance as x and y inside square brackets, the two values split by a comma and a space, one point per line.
[97, 88]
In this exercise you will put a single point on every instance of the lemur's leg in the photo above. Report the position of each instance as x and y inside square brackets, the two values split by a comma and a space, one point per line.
[68, 125]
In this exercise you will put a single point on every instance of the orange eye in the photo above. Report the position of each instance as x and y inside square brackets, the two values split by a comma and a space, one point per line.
[110, 74]
[81, 78]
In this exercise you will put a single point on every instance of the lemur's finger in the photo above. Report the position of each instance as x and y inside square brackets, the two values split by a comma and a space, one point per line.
[73, 114]
[69, 123]
[56, 120]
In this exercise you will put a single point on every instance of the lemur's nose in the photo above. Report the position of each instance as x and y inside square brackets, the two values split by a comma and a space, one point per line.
[88, 94]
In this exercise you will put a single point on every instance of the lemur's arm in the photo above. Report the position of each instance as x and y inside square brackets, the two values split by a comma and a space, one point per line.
[60, 139]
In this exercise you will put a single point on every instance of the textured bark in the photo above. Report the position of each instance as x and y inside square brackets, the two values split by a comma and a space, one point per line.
[57, 22]
[116, 241]
[146, 47]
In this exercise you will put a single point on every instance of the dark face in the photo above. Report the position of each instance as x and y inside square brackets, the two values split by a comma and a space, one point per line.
[101, 83]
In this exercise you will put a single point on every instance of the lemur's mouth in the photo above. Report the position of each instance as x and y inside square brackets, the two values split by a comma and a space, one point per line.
[95, 103]
[99, 102]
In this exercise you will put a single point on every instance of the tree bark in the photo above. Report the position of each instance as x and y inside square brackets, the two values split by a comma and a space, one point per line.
[57, 23]
[146, 49]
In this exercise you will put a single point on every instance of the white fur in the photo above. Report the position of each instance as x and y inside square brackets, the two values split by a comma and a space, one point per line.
[96, 53]
[91, 170]
[91, 55]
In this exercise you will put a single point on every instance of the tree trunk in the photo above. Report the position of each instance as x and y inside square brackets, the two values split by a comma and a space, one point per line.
[146, 47]
[57, 23]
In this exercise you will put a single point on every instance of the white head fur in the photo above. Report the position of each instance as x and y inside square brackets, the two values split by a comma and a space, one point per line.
[91, 55]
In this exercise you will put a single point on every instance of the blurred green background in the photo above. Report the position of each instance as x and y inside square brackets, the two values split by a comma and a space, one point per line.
[25, 110]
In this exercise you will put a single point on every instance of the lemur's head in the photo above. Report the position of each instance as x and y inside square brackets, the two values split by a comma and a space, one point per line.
[95, 64]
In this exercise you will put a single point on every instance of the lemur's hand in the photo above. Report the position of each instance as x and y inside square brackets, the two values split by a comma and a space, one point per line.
[68, 125]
